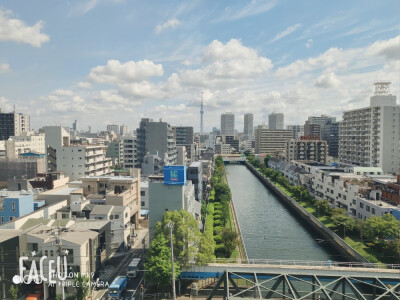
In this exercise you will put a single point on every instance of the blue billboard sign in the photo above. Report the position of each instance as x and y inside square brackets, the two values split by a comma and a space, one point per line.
[175, 175]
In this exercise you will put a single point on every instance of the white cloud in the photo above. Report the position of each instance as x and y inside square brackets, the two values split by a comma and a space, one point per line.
[255, 7]
[309, 43]
[328, 80]
[171, 23]
[5, 105]
[16, 30]
[4, 68]
[84, 7]
[117, 73]
[84, 85]
[226, 64]
[285, 32]
[390, 49]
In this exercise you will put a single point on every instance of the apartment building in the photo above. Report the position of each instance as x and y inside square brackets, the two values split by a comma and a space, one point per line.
[297, 130]
[115, 151]
[228, 124]
[276, 121]
[358, 190]
[248, 129]
[330, 134]
[129, 152]
[184, 137]
[155, 138]
[271, 141]
[27, 142]
[370, 136]
[83, 160]
[307, 149]
[13, 124]
[117, 191]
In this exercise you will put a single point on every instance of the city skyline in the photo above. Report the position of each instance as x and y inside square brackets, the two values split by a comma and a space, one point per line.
[149, 61]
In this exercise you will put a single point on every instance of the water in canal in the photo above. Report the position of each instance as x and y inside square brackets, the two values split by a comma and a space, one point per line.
[269, 229]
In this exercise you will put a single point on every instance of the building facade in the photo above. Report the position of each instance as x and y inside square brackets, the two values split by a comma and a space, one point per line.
[271, 141]
[16, 145]
[228, 124]
[83, 160]
[314, 150]
[248, 129]
[155, 138]
[370, 136]
[330, 134]
[13, 124]
[276, 121]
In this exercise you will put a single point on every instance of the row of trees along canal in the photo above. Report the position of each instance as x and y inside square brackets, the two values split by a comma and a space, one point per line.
[376, 238]
[192, 247]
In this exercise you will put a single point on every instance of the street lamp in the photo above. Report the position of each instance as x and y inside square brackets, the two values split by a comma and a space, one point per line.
[170, 225]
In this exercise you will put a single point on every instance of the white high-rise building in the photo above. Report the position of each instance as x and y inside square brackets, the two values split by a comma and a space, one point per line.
[275, 121]
[13, 124]
[248, 125]
[370, 136]
[228, 124]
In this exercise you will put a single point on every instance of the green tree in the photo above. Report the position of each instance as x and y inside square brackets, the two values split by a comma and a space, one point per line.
[379, 229]
[322, 206]
[229, 240]
[266, 160]
[82, 286]
[186, 237]
[13, 292]
[392, 249]
[343, 223]
[158, 263]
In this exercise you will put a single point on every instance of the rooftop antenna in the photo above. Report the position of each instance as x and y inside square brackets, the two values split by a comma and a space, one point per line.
[201, 114]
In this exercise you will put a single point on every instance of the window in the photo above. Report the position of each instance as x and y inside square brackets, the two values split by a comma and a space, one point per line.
[2, 220]
[11, 218]
[13, 206]
[354, 201]
[362, 205]
[51, 253]
[46, 253]
[142, 193]
[142, 203]
[373, 210]
[116, 217]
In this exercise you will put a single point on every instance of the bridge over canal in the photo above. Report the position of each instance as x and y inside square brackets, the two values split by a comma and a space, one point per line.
[274, 279]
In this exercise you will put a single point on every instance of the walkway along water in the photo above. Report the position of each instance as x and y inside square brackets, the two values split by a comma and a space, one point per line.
[272, 229]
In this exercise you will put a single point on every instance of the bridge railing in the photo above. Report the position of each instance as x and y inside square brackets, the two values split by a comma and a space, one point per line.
[306, 263]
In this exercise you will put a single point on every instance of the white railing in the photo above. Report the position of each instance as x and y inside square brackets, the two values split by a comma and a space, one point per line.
[305, 263]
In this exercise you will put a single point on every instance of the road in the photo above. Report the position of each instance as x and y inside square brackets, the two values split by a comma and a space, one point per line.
[120, 263]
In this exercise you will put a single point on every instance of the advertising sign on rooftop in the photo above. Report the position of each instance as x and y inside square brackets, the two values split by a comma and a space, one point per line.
[175, 175]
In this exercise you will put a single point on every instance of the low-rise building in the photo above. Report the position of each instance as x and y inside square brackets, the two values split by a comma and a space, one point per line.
[14, 204]
[117, 191]
[169, 197]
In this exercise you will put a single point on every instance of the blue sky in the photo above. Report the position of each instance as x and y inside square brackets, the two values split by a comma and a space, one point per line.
[115, 61]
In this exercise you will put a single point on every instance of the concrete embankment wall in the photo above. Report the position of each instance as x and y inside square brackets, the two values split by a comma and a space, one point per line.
[340, 245]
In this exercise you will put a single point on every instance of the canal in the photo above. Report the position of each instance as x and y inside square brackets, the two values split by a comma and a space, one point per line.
[269, 229]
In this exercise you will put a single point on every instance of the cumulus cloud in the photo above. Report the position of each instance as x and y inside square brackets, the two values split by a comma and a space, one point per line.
[390, 49]
[285, 32]
[225, 64]
[327, 80]
[16, 30]
[116, 72]
[171, 23]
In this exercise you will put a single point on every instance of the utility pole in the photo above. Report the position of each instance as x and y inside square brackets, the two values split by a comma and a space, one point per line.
[170, 225]
[59, 250]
